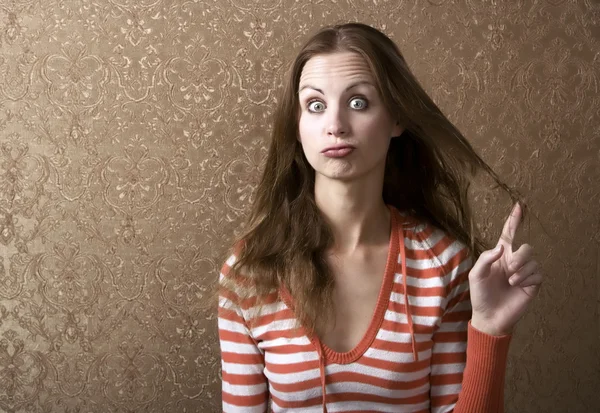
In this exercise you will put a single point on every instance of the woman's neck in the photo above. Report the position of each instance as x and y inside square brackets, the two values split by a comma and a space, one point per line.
[356, 213]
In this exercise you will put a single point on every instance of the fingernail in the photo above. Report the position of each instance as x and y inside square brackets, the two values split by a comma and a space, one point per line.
[512, 280]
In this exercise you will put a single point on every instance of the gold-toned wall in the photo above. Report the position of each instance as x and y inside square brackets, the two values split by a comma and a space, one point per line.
[132, 133]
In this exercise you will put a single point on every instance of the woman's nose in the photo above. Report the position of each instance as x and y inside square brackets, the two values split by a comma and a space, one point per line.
[337, 124]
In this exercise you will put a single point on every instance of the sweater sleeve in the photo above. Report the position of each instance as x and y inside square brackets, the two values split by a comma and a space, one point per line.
[468, 366]
[244, 385]
[483, 381]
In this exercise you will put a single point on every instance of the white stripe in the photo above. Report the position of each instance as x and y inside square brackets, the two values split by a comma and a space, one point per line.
[430, 282]
[349, 387]
[242, 369]
[227, 408]
[417, 301]
[459, 347]
[426, 244]
[417, 319]
[276, 325]
[244, 389]
[393, 337]
[370, 406]
[425, 282]
[238, 348]
[233, 326]
[442, 369]
[365, 388]
[449, 408]
[450, 252]
[287, 378]
[266, 309]
[461, 306]
[284, 341]
[377, 372]
[231, 260]
[456, 291]
[292, 358]
[453, 327]
[445, 389]
[396, 356]
[314, 409]
[298, 396]
[437, 261]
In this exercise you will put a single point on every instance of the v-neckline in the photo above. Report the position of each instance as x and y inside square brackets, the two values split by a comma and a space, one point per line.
[381, 306]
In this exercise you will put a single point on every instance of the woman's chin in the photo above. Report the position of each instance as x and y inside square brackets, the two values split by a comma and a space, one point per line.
[346, 175]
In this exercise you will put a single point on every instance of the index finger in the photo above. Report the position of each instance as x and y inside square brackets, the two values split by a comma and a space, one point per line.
[512, 224]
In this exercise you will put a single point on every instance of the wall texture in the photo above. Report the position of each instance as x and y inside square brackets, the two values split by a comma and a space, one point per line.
[132, 133]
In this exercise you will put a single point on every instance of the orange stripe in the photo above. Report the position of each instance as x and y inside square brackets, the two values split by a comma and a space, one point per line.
[448, 358]
[292, 368]
[457, 316]
[420, 291]
[238, 358]
[394, 366]
[241, 379]
[375, 381]
[235, 337]
[419, 236]
[365, 397]
[450, 337]
[306, 403]
[400, 347]
[283, 314]
[444, 400]
[414, 310]
[230, 315]
[290, 348]
[436, 250]
[403, 327]
[443, 379]
[273, 334]
[245, 400]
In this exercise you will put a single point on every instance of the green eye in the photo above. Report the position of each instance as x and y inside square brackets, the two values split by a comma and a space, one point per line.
[315, 106]
[358, 103]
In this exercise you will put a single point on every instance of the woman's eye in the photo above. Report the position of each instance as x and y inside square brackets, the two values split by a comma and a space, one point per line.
[315, 106]
[358, 103]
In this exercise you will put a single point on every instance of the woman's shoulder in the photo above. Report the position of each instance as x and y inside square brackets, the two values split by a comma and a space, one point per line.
[433, 245]
[423, 233]
[239, 282]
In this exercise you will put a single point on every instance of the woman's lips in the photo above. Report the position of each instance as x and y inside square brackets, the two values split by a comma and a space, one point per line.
[338, 152]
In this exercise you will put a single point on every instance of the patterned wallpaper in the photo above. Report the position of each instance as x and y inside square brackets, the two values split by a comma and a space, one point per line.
[132, 134]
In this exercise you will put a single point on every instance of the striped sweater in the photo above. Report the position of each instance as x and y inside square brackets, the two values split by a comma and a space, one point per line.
[419, 354]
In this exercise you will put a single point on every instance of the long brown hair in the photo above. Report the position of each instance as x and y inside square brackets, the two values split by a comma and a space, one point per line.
[427, 175]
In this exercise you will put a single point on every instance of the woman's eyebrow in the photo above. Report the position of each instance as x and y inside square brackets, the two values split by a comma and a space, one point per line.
[362, 82]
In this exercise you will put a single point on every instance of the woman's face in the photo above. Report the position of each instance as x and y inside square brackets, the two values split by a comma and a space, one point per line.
[340, 106]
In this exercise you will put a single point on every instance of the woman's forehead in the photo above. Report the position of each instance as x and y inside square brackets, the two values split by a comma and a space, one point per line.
[347, 66]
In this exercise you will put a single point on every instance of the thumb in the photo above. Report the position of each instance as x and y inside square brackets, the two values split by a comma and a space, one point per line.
[481, 269]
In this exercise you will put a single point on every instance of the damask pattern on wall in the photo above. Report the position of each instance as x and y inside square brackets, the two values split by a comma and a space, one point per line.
[132, 135]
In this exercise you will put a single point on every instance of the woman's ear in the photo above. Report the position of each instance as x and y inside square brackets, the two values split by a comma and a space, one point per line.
[397, 130]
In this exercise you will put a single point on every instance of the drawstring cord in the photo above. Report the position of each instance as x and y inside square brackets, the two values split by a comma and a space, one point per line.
[406, 303]
[322, 370]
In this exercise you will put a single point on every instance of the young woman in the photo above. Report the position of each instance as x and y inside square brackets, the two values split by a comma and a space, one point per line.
[360, 284]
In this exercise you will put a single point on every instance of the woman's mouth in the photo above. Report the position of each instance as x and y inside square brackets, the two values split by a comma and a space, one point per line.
[338, 152]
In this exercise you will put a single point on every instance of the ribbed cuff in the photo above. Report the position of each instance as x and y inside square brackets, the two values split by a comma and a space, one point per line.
[483, 380]
[486, 345]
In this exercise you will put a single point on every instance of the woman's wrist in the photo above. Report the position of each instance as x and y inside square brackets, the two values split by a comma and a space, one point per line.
[488, 328]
